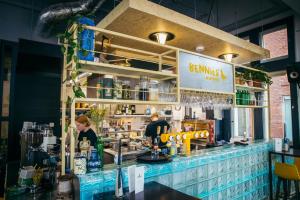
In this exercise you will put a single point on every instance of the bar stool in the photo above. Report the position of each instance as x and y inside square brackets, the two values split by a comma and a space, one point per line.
[286, 172]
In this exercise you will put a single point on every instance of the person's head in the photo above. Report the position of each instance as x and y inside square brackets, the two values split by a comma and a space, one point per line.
[154, 116]
[82, 123]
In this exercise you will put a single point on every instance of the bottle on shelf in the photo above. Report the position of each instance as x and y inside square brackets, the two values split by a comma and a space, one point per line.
[133, 109]
[136, 92]
[237, 96]
[243, 97]
[126, 109]
[126, 90]
[153, 90]
[144, 88]
[108, 87]
[154, 152]
[99, 89]
[252, 99]
[173, 148]
[117, 89]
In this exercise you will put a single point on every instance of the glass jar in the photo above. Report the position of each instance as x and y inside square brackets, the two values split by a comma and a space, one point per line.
[126, 90]
[117, 89]
[144, 88]
[153, 90]
[99, 88]
[108, 86]
[136, 92]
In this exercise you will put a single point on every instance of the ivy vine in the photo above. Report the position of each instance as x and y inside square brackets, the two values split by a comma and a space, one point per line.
[70, 47]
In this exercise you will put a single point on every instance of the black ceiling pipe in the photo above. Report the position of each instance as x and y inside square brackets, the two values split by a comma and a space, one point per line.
[57, 13]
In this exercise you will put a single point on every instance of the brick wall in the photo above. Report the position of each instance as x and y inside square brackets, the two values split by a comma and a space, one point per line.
[278, 89]
[276, 42]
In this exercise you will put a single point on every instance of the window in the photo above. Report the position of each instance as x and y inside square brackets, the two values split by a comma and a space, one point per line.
[275, 40]
[243, 118]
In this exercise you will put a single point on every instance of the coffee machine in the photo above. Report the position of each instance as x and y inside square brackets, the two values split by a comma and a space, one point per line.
[35, 142]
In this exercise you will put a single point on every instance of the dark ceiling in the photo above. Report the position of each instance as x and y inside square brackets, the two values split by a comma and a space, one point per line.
[227, 15]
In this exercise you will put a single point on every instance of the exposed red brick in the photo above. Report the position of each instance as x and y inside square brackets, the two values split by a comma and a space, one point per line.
[278, 90]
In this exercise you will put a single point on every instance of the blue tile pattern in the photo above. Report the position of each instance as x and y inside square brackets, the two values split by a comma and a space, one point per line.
[225, 173]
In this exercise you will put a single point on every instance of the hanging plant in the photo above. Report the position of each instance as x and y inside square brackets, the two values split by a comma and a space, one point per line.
[71, 46]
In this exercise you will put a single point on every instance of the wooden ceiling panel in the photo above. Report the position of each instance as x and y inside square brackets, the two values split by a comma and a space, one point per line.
[140, 18]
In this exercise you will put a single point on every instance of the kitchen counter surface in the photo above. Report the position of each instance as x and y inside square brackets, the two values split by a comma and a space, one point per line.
[152, 191]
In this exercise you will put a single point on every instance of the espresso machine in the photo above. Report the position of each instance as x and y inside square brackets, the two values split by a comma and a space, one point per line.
[36, 142]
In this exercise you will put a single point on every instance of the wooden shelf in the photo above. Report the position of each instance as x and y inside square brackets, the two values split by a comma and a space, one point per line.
[82, 109]
[105, 68]
[131, 116]
[250, 106]
[121, 101]
[139, 18]
[250, 88]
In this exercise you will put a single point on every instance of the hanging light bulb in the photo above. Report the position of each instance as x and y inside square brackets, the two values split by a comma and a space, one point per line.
[228, 56]
[161, 37]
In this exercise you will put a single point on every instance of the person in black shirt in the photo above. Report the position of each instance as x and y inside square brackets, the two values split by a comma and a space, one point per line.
[151, 130]
[83, 127]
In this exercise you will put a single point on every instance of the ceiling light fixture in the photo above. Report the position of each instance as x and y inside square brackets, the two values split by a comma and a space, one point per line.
[228, 56]
[200, 48]
[161, 37]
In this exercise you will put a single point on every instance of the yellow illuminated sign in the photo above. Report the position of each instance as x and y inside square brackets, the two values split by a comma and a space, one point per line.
[209, 73]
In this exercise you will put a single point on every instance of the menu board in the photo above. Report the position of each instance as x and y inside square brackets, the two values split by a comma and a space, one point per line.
[203, 73]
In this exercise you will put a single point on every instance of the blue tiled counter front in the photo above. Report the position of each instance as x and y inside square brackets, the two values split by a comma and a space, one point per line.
[239, 172]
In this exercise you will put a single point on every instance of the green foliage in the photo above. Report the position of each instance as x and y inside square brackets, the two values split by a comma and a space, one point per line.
[96, 115]
[256, 75]
[70, 46]
[263, 77]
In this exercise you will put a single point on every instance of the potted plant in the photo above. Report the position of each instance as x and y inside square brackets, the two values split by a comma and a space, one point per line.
[239, 78]
[260, 78]
[247, 76]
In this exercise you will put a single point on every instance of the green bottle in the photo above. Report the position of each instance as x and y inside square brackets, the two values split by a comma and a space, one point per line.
[238, 96]
[100, 150]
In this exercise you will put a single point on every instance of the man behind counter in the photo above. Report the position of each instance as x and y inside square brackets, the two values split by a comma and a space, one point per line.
[151, 130]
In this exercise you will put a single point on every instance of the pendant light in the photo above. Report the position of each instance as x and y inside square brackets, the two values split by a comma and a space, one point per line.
[161, 37]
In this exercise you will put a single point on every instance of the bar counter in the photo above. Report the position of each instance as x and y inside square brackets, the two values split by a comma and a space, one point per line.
[227, 172]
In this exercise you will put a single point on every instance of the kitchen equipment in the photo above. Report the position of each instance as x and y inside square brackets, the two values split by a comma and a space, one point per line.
[132, 147]
[114, 145]
[147, 158]
[64, 185]
[31, 140]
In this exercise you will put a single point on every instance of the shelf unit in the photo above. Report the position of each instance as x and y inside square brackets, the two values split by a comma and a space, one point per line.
[132, 116]
[250, 106]
[255, 89]
[121, 47]
[116, 70]
[161, 56]
[121, 101]
[263, 90]
[264, 103]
